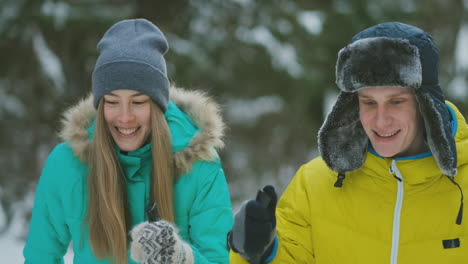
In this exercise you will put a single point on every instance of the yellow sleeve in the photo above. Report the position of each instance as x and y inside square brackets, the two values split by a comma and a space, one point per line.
[235, 258]
[293, 226]
[294, 230]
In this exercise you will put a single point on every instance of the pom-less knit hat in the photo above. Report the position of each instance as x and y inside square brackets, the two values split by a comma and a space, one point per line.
[131, 57]
[389, 54]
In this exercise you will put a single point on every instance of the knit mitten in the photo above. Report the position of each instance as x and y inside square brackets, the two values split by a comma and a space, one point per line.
[159, 243]
[253, 233]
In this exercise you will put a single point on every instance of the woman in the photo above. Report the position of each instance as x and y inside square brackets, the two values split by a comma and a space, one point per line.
[388, 187]
[133, 155]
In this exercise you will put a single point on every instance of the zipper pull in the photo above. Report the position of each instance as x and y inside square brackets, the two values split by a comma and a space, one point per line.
[152, 213]
[393, 172]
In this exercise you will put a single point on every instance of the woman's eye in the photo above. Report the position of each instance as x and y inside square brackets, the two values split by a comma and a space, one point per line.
[139, 102]
[397, 101]
[110, 102]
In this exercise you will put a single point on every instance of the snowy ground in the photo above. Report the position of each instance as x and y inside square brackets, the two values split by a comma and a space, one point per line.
[11, 250]
[11, 241]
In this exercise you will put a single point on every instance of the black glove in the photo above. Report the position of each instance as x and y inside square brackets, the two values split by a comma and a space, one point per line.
[253, 233]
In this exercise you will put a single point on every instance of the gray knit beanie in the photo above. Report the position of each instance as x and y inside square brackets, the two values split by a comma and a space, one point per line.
[131, 57]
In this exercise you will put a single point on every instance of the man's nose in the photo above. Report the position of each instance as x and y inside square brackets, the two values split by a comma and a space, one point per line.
[383, 117]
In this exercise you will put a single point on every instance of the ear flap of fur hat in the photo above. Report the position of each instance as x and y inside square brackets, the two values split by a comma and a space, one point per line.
[342, 140]
[438, 125]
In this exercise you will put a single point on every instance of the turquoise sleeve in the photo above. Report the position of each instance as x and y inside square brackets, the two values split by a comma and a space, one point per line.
[211, 216]
[48, 237]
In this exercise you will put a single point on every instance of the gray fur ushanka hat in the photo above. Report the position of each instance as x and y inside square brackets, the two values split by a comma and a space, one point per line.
[388, 54]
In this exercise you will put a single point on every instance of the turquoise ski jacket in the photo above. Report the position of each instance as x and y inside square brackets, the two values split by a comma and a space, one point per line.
[202, 205]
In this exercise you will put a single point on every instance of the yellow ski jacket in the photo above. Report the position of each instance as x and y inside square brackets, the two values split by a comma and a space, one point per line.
[389, 211]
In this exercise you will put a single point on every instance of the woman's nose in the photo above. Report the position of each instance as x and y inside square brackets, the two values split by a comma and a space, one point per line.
[126, 115]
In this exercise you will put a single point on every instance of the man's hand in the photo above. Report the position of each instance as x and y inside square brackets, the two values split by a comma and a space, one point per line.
[253, 233]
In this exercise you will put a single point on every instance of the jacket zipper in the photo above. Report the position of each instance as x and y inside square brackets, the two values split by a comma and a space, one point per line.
[397, 213]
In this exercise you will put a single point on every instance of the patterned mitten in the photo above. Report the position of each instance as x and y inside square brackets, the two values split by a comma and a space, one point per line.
[158, 243]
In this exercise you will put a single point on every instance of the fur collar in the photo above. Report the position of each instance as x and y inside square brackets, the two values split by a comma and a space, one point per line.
[203, 111]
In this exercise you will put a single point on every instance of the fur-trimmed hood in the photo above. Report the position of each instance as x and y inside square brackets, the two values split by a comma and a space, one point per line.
[201, 110]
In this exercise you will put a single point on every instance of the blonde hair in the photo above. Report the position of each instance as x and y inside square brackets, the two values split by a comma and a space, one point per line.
[108, 213]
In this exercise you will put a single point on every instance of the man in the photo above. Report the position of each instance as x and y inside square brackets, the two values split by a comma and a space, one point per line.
[388, 186]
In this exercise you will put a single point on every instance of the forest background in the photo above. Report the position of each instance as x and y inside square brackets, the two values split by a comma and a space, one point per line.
[270, 64]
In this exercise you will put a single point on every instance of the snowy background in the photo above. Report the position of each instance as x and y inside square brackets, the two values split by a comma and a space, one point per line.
[270, 65]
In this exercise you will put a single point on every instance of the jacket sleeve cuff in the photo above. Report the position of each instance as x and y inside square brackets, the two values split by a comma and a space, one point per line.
[274, 251]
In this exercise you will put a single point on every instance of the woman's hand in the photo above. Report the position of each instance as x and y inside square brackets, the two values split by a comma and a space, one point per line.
[159, 243]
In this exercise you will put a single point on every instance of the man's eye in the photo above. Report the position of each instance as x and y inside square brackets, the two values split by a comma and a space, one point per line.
[397, 101]
[139, 102]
